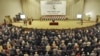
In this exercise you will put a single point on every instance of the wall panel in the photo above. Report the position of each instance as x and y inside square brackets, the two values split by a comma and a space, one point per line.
[9, 7]
[32, 8]
[92, 8]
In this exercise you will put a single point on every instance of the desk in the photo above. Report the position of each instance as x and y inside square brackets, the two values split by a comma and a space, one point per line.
[53, 23]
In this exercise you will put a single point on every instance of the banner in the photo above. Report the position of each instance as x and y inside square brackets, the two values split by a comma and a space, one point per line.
[53, 7]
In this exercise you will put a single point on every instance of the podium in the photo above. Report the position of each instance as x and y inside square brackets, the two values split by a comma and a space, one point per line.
[30, 22]
[53, 23]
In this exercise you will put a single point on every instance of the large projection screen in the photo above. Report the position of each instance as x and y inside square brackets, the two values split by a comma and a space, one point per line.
[53, 7]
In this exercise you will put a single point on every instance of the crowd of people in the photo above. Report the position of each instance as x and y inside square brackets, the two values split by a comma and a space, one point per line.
[17, 41]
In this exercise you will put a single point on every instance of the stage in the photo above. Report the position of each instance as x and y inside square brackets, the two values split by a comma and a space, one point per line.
[60, 24]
